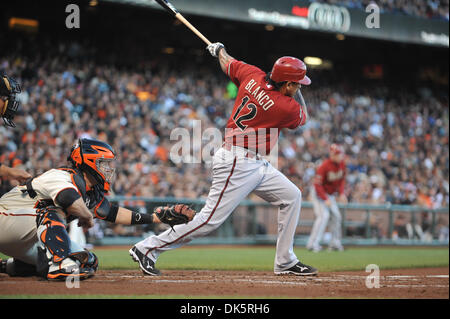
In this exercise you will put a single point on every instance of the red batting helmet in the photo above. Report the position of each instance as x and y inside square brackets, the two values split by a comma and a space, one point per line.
[291, 69]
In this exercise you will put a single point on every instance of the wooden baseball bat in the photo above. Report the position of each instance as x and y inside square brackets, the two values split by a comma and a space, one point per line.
[173, 11]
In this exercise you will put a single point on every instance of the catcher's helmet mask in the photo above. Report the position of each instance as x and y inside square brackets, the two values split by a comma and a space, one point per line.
[96, 158]
[11, 104]
[9, 110]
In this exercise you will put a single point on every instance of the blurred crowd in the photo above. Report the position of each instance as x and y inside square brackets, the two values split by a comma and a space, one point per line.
[430, 9]
[396, 142]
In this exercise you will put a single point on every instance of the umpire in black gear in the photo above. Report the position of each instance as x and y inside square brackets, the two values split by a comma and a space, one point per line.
[9, 104]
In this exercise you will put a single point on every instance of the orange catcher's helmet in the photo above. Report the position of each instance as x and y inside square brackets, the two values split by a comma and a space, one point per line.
[291, 69]
[95, 158]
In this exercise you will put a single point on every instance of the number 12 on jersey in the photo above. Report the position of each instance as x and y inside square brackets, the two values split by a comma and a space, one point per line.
[239, 118]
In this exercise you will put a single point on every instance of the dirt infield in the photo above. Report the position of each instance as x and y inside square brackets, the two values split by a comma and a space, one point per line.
[401, 283]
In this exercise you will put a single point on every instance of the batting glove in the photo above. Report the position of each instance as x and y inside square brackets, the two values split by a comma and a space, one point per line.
[214, 48]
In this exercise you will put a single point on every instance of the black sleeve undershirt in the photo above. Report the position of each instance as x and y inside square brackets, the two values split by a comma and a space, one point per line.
[67, 197]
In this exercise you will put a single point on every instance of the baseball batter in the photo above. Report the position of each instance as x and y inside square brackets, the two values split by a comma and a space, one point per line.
[33, 216]
[329, 181]
[265, 104]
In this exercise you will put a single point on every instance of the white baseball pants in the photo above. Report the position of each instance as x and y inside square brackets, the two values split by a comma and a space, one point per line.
[234, 177]
[322, 213]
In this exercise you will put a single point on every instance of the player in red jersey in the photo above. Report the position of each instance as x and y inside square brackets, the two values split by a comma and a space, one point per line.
[265, 104]
[329, 181]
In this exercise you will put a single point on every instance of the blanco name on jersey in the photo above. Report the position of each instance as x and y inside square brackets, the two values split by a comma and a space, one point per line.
[259, 94]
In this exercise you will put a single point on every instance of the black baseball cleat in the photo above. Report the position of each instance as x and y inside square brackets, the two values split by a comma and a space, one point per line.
[299, 269]
[147, 265]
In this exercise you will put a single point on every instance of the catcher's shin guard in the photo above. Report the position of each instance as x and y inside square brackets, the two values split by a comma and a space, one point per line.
[55, 259]
[52, 234]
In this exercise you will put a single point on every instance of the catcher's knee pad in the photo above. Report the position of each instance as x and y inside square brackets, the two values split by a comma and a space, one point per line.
[52, 234]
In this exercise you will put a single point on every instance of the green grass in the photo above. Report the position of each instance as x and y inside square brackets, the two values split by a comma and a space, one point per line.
[262, 258]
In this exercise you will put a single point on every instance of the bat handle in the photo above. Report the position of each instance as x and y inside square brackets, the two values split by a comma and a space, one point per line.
[193, 29]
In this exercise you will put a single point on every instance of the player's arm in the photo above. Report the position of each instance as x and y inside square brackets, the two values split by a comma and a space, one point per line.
[303, 109]
[12, 173]
[72, 203]
[174, 215]
[64, 193]
[129, 217]
[342, 197]
[225, 60]
[318, 183]
[101, 208]
[217, 50]
[78, 209]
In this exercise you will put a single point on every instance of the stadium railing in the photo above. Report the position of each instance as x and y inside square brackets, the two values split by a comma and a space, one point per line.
[246, 229]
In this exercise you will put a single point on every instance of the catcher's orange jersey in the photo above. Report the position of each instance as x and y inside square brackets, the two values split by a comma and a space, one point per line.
[259, 112]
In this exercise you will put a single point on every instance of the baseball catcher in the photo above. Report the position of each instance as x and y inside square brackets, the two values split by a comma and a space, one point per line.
[34, 215]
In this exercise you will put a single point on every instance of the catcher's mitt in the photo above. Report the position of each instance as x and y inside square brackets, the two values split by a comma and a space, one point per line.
[175, 215]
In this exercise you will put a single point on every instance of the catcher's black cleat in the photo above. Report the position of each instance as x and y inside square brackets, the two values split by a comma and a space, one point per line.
[299, 269]
[147, 265]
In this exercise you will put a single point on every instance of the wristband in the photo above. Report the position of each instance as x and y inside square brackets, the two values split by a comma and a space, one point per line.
[141, 219]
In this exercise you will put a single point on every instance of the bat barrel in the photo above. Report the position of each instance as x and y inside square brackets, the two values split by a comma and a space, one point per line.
[168, 7]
